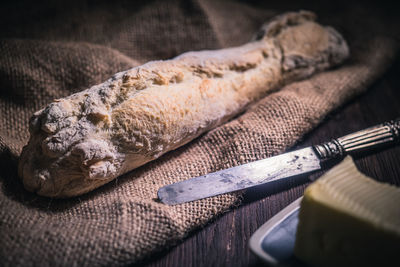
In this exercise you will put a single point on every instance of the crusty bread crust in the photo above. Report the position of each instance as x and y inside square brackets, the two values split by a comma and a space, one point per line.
[83, 141]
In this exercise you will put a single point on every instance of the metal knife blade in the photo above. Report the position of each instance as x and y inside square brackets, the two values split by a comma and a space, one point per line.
[279, 167]
[240, 177]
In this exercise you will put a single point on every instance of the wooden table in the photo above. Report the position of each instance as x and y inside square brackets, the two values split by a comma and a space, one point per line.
[224, 242]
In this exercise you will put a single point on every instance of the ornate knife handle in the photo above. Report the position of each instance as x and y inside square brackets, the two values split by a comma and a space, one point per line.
[370, 138]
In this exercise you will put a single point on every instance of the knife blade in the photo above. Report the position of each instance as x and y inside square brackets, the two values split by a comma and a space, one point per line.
[279, 167]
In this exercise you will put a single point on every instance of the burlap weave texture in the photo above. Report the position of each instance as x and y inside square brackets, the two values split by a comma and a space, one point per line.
[53, 51]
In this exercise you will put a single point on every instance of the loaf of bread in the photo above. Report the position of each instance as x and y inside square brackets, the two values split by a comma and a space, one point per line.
[83, 141]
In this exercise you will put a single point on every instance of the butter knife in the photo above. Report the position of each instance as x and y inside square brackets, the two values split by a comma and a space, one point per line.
[282, 166]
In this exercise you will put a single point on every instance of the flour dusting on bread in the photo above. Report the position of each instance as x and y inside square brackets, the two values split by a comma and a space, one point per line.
[83, 141]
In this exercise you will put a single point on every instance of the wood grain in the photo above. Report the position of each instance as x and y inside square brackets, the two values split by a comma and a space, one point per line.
[224, 242]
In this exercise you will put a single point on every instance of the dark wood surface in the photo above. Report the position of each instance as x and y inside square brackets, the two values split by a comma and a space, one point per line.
[224, 241]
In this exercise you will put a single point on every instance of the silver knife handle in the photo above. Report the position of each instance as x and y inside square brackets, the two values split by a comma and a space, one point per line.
[370, 138]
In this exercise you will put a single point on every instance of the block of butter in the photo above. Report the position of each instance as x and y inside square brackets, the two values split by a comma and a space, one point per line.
[349, 219]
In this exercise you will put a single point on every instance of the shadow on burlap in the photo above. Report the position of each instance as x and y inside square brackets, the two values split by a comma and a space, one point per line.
[48, 52]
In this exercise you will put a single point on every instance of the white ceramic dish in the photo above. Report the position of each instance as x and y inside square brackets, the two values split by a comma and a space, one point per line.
[274, 241]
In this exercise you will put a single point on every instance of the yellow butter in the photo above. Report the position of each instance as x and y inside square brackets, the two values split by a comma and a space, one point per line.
[349, 219]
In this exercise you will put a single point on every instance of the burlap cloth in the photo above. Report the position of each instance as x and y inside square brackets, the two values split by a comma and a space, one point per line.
[53, 50]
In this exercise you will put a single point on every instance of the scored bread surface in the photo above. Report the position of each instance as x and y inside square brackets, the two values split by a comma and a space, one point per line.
[85, 140]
